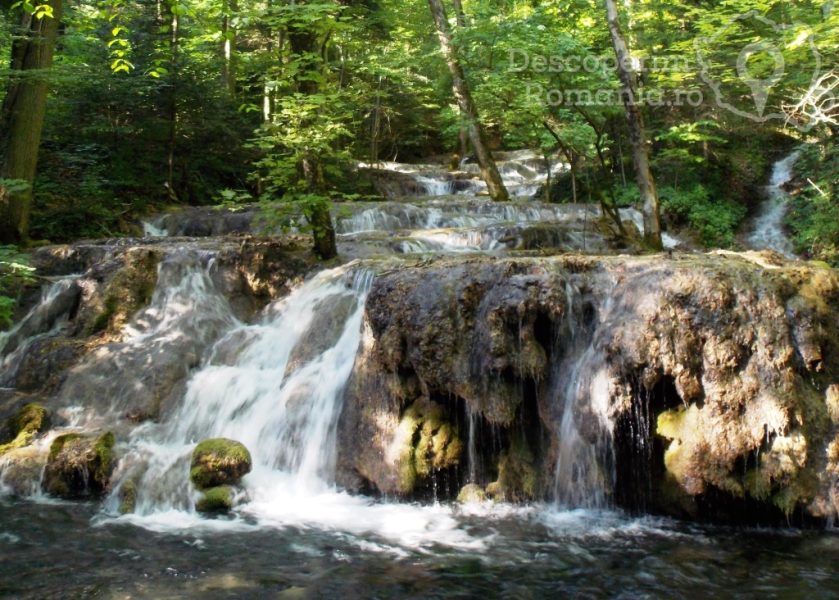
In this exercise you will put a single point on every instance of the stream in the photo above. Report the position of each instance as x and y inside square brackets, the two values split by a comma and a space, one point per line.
[276, 380]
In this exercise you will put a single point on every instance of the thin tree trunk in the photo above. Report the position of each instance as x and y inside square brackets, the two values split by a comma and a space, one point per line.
[489, 170]
[459, 15]
[304, 43]
[621, 163]
[172, 108]
[463, 134]
[22, 119]
[228, 34]
[637, 133]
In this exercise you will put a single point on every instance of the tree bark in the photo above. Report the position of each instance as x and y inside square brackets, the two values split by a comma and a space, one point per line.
[172, 101]
[637, 132]
[489, 170]
[228, 33]
[22, 119]
[305, 45]
[463, 134]
[459, 14]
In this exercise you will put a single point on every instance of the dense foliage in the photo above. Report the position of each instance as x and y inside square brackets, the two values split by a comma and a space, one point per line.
[200, 102]
[814, 218]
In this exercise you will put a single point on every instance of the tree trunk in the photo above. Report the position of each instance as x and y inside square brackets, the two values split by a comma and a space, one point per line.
[637, 133]
[172, 101]
[22, 119]
[305, 44]
[228, 34]
[463, 134]
[459, 14]
[489, 171]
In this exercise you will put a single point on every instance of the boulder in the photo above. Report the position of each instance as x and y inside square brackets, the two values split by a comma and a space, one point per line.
[216, 500]
[24, 425]
[219, 462]
[79, 466]
[471, 493]
[21, 472]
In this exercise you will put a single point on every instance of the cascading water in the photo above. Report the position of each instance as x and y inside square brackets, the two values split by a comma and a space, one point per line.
[154, 228]
[523, 174]
[274, 386]
[159, 344]
[44, 320]
[768, 232]
[467, 225]
[585, 459]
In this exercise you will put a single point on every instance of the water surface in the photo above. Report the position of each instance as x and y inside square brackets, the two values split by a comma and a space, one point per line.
[62, 550]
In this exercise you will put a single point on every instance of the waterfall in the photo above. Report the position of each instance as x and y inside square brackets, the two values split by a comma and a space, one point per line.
[768, 232]
[155, 228]
[435, 186]
[276, 386]
[585, 475]
[45, 319]
[636, 217]
[583, 472]
[523, 173]
[158, 345]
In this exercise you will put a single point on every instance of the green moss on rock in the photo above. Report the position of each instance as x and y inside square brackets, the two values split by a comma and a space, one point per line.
[471, 493]
[219, 461]
[25, 425]
[128, 498]
[130, 290]
[216, 500]
[428, 443]
[79, 466]
[518, 473]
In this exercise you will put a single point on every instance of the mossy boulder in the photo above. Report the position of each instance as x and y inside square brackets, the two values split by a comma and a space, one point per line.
[24, 426]
[127, 497]
[518, 474]
[218, 462]
[129, 290]
[216, 500]
[471, 493]
[427, 442]
[22, 469]
[79, 466]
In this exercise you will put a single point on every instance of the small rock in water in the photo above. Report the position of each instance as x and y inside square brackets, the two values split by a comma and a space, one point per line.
[471, 493]
[24, 425]
[79, 466]
[216, 500]
[127, 497]
[219, 461]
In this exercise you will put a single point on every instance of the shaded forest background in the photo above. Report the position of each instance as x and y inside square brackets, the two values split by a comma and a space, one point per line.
[195, 102]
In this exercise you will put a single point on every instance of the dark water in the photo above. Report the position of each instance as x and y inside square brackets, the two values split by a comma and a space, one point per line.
[55, 551]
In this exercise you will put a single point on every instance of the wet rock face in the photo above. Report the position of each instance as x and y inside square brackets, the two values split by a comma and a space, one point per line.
[208, 221]
[21, 428]
[146, 312]
[79, 466]
[711, 380]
